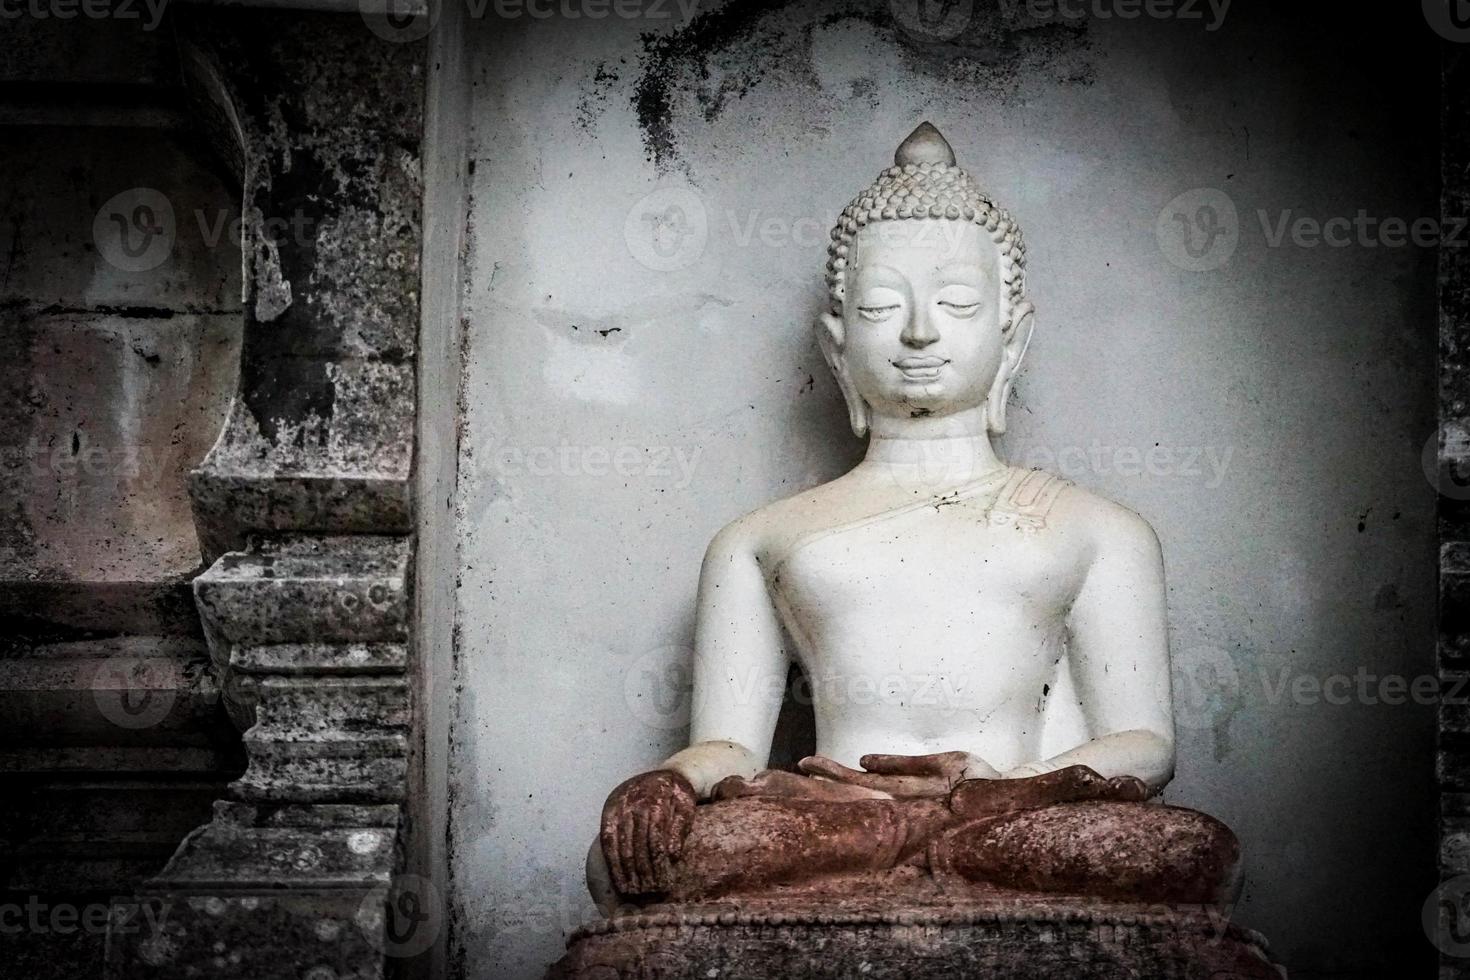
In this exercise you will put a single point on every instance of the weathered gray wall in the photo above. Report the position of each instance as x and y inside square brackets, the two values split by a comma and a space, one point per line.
[115, 374]
[1286, 397]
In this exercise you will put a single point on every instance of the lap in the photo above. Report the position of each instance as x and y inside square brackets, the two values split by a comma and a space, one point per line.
[1122, 851]
[1068, 832]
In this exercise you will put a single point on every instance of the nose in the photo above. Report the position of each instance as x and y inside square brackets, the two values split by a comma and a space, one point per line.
[920, 331]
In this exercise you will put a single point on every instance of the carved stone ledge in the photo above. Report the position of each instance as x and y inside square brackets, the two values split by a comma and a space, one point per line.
[302, 596]
[247, 847]
[230, 504]
[328, 739]
[311, 633]
[321, 659]
[308, 590]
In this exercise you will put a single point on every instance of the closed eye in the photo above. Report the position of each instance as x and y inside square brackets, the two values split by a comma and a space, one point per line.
[877, 312]
[960, 309]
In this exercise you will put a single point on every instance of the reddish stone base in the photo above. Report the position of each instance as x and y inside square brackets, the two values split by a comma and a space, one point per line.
[996, 940]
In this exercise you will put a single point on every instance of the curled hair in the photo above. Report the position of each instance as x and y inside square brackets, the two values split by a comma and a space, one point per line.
[929, 190]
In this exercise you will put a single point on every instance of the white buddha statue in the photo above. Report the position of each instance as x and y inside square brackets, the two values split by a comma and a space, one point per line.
[986, 645]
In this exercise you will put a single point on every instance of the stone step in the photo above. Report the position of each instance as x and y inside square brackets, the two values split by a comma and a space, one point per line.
[237, 935]
[308, 591]
[321, 659]
[120, 692]
[321, 739]
[266, 891]
[114, 759]
[299, 706]
[84, 833]
[250, 848]
[320, 778]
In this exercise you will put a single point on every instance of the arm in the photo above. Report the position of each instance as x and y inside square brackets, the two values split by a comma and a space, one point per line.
[739, 679]
[1120, 658]
[739, 668]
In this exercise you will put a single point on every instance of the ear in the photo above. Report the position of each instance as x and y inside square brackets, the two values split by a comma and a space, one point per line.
[1016, 339]
[831, 335]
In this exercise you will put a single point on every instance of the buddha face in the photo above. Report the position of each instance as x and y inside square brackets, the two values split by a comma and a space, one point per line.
[922, 326]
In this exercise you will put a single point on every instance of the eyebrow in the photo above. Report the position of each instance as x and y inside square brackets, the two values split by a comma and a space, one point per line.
[887, 270]
[963, 268]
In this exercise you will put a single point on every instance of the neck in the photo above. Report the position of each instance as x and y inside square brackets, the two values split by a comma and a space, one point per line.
[951, 449]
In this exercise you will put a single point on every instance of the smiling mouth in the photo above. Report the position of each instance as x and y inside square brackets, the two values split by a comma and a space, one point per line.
[920, 368]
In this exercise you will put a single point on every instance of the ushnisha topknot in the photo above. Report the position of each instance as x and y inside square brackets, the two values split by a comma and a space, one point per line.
[925, 182]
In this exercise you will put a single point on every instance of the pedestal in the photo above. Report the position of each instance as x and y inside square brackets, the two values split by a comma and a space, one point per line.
[1075, 940]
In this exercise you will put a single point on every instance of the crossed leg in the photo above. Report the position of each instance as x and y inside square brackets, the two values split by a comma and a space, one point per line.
[1069, 832]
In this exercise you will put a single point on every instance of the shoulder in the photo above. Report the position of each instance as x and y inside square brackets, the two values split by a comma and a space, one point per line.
[768, 528]
[1108, 527]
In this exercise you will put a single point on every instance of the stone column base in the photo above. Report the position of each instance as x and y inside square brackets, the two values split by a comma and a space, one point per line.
[1011, 941]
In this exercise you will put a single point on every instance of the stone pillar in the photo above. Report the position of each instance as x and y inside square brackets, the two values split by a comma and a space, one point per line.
[304, 507]
[1454, 514]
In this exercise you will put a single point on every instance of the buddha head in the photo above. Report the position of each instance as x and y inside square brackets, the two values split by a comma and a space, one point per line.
[928, 314]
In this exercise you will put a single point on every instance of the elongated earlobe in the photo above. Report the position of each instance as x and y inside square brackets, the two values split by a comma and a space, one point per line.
[830, 337]
[1017, 339]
